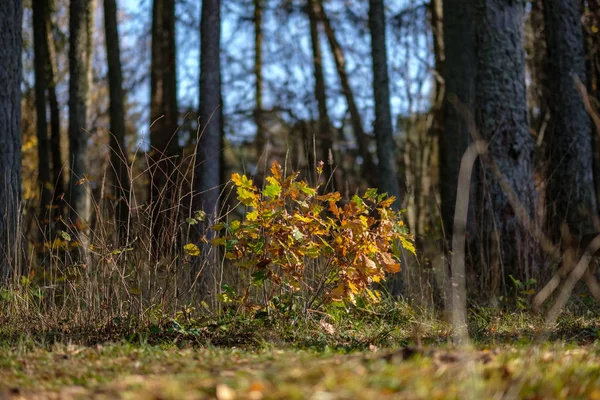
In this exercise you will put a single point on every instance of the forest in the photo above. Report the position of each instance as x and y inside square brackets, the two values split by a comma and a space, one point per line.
[299, 199]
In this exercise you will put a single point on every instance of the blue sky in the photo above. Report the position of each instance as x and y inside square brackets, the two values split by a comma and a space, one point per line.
[405, 63]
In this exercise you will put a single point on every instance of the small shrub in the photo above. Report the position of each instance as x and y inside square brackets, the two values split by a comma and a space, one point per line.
[295, 238]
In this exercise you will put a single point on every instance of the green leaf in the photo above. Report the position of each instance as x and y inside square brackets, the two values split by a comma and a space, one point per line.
[259, 277]
[357, 200]
[228, 289]
[191, 221]
[297, 234]
[370, 194]
[65, 236]
[247, 197]
[272, 190]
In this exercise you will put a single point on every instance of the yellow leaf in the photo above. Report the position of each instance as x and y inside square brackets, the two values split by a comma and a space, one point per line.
[236, 178]
[408, 245]
[338, 293]
[191, 250]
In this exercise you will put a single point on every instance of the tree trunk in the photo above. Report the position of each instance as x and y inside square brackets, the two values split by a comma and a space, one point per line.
[210, 146]
[592, 37]
[207, 169]
[384, 132]
[325, 129]
[459, 78]
[164, 120]
[570, 188]
[118, 146]
[55, 133]
[506, 248]
[81, 27]
[11, 16]
[40, 9]
[369, 167]
[261, 139]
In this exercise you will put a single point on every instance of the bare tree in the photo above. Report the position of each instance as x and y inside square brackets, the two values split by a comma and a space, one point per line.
[11, 16]
[369, 167]
[325, 129]
[571, 198]
[81, 27]
[118, 146]
[384, 135]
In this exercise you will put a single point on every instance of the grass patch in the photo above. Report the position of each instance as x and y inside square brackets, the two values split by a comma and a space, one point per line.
[392, 350]
[170, 372]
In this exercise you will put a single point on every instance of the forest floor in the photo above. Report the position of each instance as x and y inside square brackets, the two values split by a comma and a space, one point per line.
[408, 356]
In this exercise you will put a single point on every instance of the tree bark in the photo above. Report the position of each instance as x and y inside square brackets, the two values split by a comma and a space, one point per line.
[207, 169]
[164, 118]
[210, 142]
[261, 139]
[11, 16]
[592, 36]
[570, 189]
[369, 167]
[506, 247]
[81, 27]
[325, 129]
[384, 132]
[118, 146]
[40, 9]
[55, 133]
[459, 77]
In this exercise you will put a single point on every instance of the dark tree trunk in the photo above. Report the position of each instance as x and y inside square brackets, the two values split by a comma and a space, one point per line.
[384, 133]
[325, 128]
[570, 189]
[592, 36]
[11, 15]
[81, 25]
[55, 133]
[369, 167]
[117, 117]
[207, 173]
[506, 248]
[209, 147]
[40, 9]
[164, 119]
[459, 78]
[261, 139]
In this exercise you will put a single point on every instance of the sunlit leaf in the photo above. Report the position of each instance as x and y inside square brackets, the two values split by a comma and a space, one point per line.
[65, 236]
[272, 190]
[191, 250]
[408, 245]
[199, 215]
[370, 194]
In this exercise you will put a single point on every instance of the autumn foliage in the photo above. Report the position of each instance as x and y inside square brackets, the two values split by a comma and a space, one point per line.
[293, 237]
